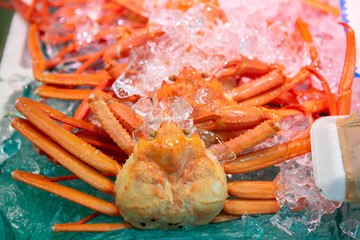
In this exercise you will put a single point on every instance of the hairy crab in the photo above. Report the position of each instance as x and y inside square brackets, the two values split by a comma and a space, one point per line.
[169, 179]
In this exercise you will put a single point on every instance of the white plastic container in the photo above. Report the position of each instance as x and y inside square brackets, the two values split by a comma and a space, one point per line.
[327, 158]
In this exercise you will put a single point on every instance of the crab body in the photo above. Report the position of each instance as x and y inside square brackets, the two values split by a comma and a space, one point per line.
[170, 181]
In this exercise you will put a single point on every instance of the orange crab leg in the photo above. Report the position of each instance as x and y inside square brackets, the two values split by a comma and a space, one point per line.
[90, 79]
[135, 8]
[69, 141]
[71, 177]
[252, 189]
[267, 97]
[268, 156]
[323, 7]
[305, 33]
[102, 144]
[115, 69]
[63, 178]
[73, 164]
[235, 118]
[311, 106]
[51, 63]
[73, 195]
[110, 124]
[61, 3]
[137, 38]
[330, 97]
[62, 93]
[23, 9]
[243, 67]
[44, 9]
[59, 116]
[58, 39]
[242, 206]
[81, 124]
[89, 62]
[90, 227]
[35, 52]
[344, 92]
[250, 138]
[6, 5]
[31, 9]
[88, 218]
[83, 109]
[257, 86]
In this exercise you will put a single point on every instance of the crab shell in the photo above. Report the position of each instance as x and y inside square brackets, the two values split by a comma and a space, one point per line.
[170, 181]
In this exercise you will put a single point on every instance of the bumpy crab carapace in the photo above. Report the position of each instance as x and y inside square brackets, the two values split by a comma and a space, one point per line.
[171, 181]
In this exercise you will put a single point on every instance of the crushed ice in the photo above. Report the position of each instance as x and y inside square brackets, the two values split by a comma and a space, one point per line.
[261, 29]
[174, 109]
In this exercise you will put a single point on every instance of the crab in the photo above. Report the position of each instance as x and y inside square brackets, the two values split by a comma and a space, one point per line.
[170, 180]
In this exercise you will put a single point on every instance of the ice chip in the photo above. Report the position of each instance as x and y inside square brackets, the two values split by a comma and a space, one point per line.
[174, 109]
[351, 227]
[219, 149]
[302, 204]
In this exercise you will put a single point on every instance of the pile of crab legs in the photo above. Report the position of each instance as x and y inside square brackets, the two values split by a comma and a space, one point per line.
[238, 109]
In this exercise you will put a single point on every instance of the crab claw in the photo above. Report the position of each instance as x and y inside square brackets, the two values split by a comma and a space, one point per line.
[236, 118]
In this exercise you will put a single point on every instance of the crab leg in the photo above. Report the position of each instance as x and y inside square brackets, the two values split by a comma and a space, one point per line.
[305, 33]
[252, 189]
[24, 9]
[267, 97]
[257, 86]
[101, 142]
[134, 8]
[331, 98]
[73, 164]
[245, 206]
[35, 52]
[250, 139]
[83, 110]
[110, 124]
[73, 195]
[115, 69]
[90, 79]
[59, 116]
[89, 62]
[323, 7]
[90, 227]
[44, 9]
[268, 156]
[69, 141]
[236, 118]
[137, 38]
[344, 92]
[6, 5]
[243, 67]
[62, 93]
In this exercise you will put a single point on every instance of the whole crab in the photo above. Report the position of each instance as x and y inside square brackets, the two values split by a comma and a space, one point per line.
[172, 179]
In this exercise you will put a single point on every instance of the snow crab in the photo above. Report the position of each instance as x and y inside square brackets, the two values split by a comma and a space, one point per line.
[170, 179]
